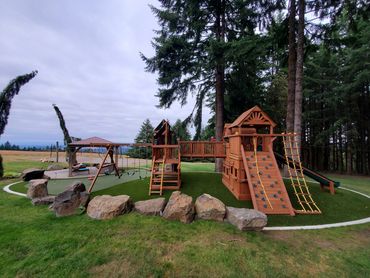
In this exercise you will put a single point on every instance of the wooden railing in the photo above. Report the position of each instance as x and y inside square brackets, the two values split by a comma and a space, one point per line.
[170, 151]
[202, 149]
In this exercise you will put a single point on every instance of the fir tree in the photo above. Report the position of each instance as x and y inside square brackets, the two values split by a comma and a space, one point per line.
[6, 98]
[145, 135]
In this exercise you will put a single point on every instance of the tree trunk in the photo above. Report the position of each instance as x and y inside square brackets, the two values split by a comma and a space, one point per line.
[220, 81]
[299, 74]
[291, 69]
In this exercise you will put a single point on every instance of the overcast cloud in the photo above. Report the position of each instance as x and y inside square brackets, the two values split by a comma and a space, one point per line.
[87, 55]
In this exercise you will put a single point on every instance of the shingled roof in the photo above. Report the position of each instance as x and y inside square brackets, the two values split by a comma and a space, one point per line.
[92, 141]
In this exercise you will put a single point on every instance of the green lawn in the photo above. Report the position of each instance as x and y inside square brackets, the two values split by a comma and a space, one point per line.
[13, 169]
[34, 243]
[360, 183]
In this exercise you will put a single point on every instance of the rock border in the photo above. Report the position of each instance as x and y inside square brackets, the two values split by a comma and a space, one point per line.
[273, 228]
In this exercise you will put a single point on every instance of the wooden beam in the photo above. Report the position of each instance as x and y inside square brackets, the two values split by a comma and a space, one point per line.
[99, 170]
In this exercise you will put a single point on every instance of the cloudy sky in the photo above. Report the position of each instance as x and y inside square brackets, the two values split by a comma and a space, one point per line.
[87, 55]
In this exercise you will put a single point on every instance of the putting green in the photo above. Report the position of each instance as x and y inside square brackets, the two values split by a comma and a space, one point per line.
[57, 186]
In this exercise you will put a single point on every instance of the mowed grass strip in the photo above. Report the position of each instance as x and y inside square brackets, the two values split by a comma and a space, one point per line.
[34, 243]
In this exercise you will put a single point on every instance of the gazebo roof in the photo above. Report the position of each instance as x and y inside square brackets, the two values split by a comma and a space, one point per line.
[92, 141]
[253, 116]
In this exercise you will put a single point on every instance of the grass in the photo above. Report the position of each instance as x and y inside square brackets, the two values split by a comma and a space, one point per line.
[34, 243]
[14, 169]
[361, 183]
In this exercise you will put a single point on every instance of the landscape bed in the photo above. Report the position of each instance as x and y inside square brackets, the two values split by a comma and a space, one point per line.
[343, 206]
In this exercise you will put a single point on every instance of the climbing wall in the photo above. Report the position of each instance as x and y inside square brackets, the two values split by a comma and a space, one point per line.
[265, 183]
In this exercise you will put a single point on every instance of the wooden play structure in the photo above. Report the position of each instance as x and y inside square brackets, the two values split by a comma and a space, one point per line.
[250, 169]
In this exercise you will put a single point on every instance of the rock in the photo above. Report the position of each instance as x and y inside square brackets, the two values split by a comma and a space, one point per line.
[151, 207]
[179, 207]
[246, 219]
[209, 208]
[55, 167]
[37, 188]
[71, 201]
[77, 187]
[32, 174]
[107, 207]
[43, 201]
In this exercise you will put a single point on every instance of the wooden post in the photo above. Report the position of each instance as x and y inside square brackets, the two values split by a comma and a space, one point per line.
[57, 151]
[99, 170]
[70, 164]
[116, 156]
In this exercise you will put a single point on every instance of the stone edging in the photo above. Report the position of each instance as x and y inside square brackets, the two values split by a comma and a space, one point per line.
[281, 228]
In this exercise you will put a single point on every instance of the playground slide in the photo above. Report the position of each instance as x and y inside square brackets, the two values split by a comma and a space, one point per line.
[308, 172]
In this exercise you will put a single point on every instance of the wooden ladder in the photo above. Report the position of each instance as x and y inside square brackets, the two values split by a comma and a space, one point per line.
[156, 183]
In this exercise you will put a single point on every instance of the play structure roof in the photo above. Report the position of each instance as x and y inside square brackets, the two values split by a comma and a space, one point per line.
[253, 116]
[92, 141]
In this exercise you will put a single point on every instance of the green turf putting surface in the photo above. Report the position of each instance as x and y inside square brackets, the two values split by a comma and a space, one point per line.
[57, 186]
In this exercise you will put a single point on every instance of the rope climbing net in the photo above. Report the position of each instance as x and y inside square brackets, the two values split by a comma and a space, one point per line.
[296, 176]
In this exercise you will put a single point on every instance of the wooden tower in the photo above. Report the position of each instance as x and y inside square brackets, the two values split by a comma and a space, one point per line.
[250, 169]
[166, 161]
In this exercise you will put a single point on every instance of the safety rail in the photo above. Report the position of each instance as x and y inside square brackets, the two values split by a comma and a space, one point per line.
[202, 149]
[169, 151]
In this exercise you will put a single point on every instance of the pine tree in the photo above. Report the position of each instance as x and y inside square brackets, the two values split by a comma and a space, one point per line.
[190, 50]
[180, 131]
[145, 135]
[70, 151]
[6, 98]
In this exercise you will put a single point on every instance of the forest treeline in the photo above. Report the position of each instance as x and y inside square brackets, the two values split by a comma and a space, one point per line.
[306, 63]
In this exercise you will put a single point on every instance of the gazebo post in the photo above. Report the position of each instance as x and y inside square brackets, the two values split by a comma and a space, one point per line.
[70, 164]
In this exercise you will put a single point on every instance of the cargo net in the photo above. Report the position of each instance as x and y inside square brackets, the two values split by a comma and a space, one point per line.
[296, 176]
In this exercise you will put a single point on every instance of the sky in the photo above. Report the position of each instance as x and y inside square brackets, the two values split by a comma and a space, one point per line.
[87, 55]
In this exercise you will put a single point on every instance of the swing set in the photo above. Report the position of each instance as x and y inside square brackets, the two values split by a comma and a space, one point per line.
[112, 152]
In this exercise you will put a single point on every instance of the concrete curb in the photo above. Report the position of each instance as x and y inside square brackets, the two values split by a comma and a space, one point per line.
[324, 226]
[8, 190]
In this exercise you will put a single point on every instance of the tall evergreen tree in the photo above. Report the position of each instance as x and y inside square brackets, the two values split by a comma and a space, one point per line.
[6, 98]
[145, 135]
[180, 131]
[190, 50]
[67, 137]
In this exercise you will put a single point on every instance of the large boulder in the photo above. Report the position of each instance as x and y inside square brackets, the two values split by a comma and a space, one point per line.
[71, 201]
[107, 207]
[151, 207]
[43, 201]
[32, 174]
[246, 219]
[37, 188]
[179, 207]
[209, 208]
